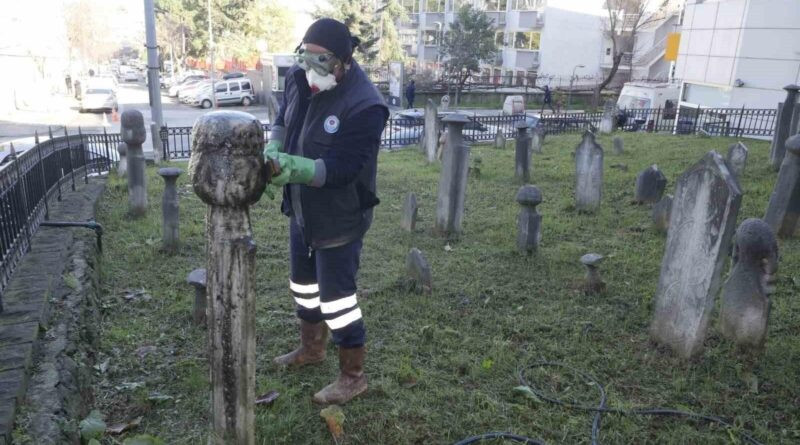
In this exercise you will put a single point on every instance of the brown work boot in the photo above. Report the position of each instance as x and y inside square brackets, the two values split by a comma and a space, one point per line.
[313, 339]
[351, 381]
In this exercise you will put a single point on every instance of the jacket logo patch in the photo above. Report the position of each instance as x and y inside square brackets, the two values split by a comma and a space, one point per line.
[331, 124]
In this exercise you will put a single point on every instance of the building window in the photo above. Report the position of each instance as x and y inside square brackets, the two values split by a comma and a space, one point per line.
[498, 39]
[495, 5]
[434, 5]
[457, 4]
[527, 40]
[608, 51]
[411, 6]
[527, 5]
[431, 37]
[408, 39]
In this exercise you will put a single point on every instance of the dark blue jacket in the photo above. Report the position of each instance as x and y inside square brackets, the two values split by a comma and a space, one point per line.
[410, 90]
[341, 130]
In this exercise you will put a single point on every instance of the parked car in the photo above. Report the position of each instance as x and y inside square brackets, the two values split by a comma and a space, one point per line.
[232, 76]
[188, 91]
[189, 80]
[226, 92]
[98, 99]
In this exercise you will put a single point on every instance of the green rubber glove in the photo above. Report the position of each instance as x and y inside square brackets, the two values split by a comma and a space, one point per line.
[272, 149]
[294, 170]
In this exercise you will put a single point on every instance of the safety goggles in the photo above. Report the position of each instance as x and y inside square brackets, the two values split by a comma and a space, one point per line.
[322, 63]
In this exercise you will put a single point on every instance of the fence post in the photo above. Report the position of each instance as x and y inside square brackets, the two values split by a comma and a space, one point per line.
[21, 182]
[58, 167]
[165, 140]
[41, 170]
[696, 119]
[83, 153]
[69, 152]
[739, 131]
[658, 119]
[108, 152]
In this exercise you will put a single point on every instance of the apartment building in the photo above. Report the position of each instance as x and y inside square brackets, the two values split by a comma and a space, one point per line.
[736, 53]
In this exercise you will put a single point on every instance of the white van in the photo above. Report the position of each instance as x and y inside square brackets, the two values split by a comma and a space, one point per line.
[637, 95]
[231, 91]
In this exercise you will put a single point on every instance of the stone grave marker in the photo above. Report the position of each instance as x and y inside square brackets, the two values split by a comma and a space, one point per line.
[745, 297]
[593, 283]
[499, 139]
[122, 166]
[197, 279]
[522, 154]
[537, 140]
[529, 221]
[445, 102]
[607, 121]
[170, 227]
[701, 225]
[588, 174]
[228, 174]
[453, 178]
[431, 131]
[783, 126]
[619, 146]
[418, 271]
[134, 135]
[737, 158]
[650, 185]
[661, 213]
[409, 219]
[783, 210]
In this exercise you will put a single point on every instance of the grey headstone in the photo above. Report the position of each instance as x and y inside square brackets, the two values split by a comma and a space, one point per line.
[442, 144]
[702, 222]
[737, 159]
[453, 178]
[134, 134]
[607, 121]
[661, 212]
[445, 102]
[783, 211]
[522, 154]
[588, 174]
[197, 279]
[619, 146]
[783, 126]
[410, 208]
[122, 166]
[431, 132]
[419, 271]
[170, 225]
[499, 139]
[529, 221]
[537, 140]
[593, 284]
[650, 184]
[745, 296]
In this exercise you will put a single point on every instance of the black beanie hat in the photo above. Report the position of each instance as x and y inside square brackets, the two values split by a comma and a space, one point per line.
[333, 35]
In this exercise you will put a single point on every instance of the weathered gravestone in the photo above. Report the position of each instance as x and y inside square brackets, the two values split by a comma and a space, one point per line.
[122, 166]
[737, 159]
[444, 103]
[197, 279]
[431, 131]
[619, 146]
[701, 225]
[134, 134]
[537, 139]
[522, 154]
[442, 143]
[170, 227]
[409, 219]
[453, 178]
[745, 296]
[650, 184]
[783, 211]
[529, 221]
[607, 121]
[661, 213]
[499, 139]
[783, 126]
[228, 174]
[418, 271]
[592, 283]
[588, 174]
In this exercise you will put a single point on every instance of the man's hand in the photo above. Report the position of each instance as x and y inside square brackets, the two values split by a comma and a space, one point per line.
[272, 149]
[293, 170]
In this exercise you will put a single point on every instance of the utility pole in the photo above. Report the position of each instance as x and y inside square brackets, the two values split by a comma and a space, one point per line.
[211, 55]
[153, 81]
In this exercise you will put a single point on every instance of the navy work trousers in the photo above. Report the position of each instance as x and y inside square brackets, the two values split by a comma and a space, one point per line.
[323, 284]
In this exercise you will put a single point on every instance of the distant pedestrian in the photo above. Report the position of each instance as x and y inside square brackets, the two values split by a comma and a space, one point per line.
[411, 89]
[548, 99]
[68, 81]
[77, 84]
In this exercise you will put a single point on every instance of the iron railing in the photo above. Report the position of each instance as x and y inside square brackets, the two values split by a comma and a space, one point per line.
[176, 142]
[30, 178]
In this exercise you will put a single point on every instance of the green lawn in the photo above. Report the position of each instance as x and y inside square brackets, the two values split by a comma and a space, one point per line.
[443, 367]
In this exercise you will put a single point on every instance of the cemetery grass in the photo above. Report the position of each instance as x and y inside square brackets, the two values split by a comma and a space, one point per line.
[444, 366]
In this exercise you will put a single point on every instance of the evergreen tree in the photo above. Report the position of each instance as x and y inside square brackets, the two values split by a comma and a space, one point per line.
[469, 42]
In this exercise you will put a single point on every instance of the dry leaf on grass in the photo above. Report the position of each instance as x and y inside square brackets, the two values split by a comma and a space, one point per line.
[267, 398]
[120, 428]
[334, 418]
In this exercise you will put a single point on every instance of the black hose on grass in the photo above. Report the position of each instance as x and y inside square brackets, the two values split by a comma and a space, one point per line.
[598, 411]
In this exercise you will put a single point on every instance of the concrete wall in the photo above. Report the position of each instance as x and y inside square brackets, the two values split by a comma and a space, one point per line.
[755, 41]
[572, 35]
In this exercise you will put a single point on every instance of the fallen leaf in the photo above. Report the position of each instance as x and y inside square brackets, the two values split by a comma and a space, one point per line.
[267, 398]
[129, 385]
[120, 428]
[136, 295]
[158, 397]
[527, 392]
[334, 418]
[447, 248]
[93, 426]
[144, 350]
[102, 367]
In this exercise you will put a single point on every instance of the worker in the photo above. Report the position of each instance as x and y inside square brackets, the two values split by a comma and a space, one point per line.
[325, 141]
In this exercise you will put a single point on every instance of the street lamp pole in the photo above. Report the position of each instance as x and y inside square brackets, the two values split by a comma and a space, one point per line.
[153, 82]
[571, 81]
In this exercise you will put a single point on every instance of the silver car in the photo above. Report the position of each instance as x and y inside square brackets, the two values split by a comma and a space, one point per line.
[98, 99]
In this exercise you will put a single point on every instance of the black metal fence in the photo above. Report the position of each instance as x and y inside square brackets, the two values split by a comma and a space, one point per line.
[176, 142]
[30, 178]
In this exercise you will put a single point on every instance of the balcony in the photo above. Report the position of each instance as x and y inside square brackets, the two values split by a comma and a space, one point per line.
[412, 22]
[527, 59]
[531, 19]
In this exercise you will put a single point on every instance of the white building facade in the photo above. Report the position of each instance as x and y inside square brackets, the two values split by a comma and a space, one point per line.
[736, 53]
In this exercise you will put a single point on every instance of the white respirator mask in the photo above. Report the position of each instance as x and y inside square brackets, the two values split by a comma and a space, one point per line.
[320, 82]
